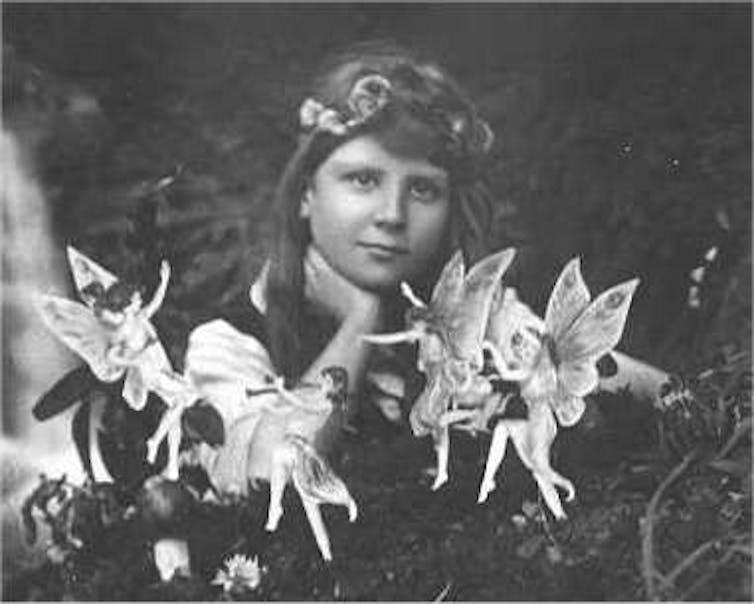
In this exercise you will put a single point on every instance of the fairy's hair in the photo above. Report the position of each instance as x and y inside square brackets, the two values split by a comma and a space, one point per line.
[426, 95]
[115, 298]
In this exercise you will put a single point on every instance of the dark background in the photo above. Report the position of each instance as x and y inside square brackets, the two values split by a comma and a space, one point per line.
[623, 135]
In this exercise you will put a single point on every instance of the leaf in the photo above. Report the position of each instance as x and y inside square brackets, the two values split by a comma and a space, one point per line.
[738, 468]
[27, 516]
[67, 391]
[80, 429]
[203, 422]
[122, 436]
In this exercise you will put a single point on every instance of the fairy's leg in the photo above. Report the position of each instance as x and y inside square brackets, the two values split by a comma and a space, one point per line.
[175, 391]
[495, 457]
[442, 451]
[281, 466]
[546, 430]
[169, 421]
[314, 515]
[550, 495]
[533, 439]
[172, 468]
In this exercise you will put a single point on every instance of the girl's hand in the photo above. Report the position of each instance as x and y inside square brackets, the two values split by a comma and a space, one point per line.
[337, 296]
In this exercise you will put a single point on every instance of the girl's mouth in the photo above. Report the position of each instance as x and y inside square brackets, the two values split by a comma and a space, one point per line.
[381, 250]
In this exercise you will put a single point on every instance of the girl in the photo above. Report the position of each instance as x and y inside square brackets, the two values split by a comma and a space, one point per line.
[385, 183]
[383, 186]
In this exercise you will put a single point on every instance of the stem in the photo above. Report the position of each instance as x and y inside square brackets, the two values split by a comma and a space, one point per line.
[707, 576]
[743, 429]
[692, 558]
[647, 545]
[443, 594]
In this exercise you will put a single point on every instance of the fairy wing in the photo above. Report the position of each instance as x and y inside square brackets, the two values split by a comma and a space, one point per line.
[569, 298]
[315, 479]
[468, 319]
[447, 291]
[75, 325]
[568, 409]
[578, 379]
[515, 335]
[598, 328]
[86, 271]
[593, 333]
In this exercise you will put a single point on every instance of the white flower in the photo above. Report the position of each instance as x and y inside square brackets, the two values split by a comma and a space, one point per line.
[309, 112]
[240, 574]
[368, 95]
[330, 120]
[314, 114]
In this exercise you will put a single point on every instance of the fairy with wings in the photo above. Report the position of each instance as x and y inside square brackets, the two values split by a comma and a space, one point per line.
[450, 332]
[555, 364]
[273, 431]
[112, 332]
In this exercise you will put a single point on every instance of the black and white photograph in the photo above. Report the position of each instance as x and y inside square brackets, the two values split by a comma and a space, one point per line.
[352, 301]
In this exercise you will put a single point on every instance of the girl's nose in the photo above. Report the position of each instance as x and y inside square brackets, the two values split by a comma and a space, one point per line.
[391, 211]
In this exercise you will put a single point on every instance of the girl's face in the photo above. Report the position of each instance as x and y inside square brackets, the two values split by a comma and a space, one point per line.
[377, 217]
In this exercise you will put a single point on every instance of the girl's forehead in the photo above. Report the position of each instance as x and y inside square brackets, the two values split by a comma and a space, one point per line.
[373, 150]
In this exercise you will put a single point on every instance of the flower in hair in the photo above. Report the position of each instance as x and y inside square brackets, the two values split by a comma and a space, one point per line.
[473, 134]
[368, 95]
[467, 133]
[314, 114]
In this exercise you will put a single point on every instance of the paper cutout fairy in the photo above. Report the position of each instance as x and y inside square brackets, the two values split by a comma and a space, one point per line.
[112, 332]
[272, 430]
[450, 331]
[555, 364]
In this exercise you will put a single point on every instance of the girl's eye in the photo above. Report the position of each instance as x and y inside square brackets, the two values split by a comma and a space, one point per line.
[425, 190]
[363, 180]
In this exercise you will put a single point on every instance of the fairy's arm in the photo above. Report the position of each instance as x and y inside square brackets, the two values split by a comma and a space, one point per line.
[159, 294]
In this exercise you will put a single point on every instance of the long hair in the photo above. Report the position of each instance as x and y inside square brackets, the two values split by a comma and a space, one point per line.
[427, 95]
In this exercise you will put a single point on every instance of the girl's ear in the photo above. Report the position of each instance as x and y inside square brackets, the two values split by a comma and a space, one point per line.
[304, 210]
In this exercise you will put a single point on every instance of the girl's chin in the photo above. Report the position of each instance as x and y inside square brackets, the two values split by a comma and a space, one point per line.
[377, 282]
[378, 276]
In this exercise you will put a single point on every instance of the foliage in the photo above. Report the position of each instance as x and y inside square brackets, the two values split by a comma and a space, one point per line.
[708, 424]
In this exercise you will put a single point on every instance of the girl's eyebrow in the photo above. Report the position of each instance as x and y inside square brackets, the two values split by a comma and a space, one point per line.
[345, 165]
[438, 175]
[354, 164]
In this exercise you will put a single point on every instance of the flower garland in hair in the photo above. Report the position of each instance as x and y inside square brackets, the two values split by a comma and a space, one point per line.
[370, 94]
